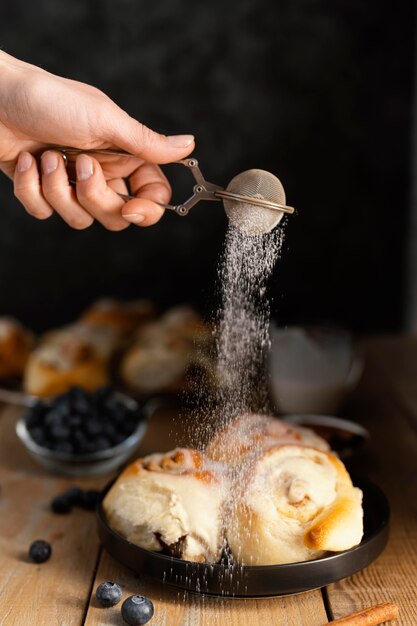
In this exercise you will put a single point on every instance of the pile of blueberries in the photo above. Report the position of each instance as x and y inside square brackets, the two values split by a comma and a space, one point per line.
[82, 422]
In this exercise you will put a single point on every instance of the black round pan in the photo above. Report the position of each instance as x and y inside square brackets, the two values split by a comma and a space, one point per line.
[258, 581]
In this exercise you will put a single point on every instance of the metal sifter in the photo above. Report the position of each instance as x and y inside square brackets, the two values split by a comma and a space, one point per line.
[254, 200]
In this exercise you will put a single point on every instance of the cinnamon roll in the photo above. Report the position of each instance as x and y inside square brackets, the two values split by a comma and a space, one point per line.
[170, 503]
[15, 345]
[292, 503]
[124, 317]
[74, 355]
[165, 352]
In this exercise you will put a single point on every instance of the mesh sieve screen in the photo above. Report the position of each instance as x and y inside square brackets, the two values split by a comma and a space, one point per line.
[251, 219]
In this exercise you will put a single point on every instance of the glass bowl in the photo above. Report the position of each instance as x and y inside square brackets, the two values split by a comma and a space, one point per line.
[91, 463]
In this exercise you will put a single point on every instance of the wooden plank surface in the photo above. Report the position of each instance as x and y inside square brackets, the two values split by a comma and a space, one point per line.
[177, 608]
[388, 388]
[55, 592]
[61, 591]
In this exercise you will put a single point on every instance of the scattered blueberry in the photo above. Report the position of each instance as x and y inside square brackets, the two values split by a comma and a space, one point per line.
[137, 610]
[61, 504]
[81, 422]
[108, 594]
[40, 551]
[89, 499]
[74, 495]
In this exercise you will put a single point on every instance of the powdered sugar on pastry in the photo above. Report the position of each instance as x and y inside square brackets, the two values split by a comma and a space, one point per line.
[248, 435]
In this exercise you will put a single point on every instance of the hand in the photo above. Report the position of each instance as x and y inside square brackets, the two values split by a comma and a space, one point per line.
[39, 110]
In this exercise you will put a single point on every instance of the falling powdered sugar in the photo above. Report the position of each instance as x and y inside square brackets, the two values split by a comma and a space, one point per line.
[242, 333]
[243, 322]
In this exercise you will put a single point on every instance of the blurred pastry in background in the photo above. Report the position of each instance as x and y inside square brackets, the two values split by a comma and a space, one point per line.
[170, 503]
[113, 342]
[76, 355]
[15, 345]
[123, 316]
[163, 353]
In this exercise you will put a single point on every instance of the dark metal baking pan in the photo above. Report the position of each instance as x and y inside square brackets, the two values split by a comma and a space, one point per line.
[258, 581]
[345, 437]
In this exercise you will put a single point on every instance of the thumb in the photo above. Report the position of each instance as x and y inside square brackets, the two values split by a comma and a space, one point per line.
[132, 136]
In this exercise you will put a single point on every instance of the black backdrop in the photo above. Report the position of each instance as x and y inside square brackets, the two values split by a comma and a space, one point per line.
[316, 91]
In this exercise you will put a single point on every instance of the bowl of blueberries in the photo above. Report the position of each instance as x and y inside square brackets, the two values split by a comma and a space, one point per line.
[81, 433]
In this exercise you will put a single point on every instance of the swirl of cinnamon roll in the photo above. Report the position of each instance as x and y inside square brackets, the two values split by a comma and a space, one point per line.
[291, 504]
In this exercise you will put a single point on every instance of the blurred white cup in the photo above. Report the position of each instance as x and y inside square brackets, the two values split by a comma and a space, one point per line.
[312, 370]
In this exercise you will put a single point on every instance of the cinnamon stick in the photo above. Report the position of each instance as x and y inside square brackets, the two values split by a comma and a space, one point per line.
[370, 617]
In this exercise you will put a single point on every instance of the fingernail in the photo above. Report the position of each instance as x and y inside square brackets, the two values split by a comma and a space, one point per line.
[180, 141]
[49, 162]
[24, 162]
[135, 218]
[84, 167]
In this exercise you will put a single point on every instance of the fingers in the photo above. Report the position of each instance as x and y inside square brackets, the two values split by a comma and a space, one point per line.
[27, 187]
[59, 193]
[95, 195]
[41, 196]
[152, 188]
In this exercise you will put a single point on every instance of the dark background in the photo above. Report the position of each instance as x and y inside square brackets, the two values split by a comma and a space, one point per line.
[318, 92]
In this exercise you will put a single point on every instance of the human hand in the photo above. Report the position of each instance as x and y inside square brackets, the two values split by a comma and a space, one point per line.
[39, 110]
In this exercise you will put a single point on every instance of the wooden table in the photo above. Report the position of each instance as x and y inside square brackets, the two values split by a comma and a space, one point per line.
[61, 591]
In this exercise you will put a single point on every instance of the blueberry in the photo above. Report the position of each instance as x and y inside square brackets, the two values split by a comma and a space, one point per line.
[109, 430]
[61, 401]
[80, 441]
[65, 447]
[101, 443]
[93, 427]
[74, 495]
[108, 594]
[61, 504]
[38, 435]
[59, 432]
[35, 414]
[40, 551]
[54, 417]
[82, 405]
[80, 400]
[74, 421]
[89, 499]
[137, 610]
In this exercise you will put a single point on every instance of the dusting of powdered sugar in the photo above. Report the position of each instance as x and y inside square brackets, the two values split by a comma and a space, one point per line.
[241, 334]
[243, 320]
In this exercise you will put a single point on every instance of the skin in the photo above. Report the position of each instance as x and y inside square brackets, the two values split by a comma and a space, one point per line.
[39, 110]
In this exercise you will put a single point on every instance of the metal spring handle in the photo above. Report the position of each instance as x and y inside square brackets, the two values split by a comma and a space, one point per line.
[202, 190]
